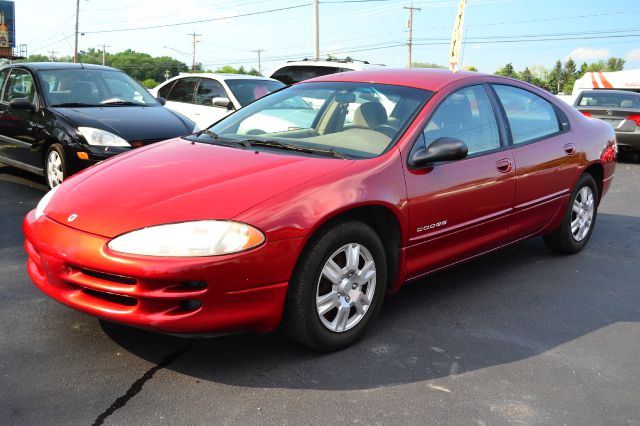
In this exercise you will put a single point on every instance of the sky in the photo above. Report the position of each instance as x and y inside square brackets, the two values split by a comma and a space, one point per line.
[524, 32]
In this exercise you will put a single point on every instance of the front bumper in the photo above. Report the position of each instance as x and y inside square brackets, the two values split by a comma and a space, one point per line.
[240, 292]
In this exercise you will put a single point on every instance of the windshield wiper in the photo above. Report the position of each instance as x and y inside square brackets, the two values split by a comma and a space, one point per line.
[121, 102]
[72, 105]
[207, 132]
[297, 148]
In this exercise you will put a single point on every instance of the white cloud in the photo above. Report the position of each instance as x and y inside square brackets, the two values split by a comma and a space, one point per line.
[633, 55]
[585, 53]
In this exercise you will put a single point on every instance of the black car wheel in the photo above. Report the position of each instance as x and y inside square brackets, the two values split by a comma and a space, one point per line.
[579, 218]
[55, 169]
[337, 288]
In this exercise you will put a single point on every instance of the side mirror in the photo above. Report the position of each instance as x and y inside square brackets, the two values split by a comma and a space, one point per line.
[162, 100]
[22, 103]
[222, 103]
[442, 149]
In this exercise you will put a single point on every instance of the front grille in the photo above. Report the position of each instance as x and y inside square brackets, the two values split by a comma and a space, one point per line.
[110, 297]
[109, 277]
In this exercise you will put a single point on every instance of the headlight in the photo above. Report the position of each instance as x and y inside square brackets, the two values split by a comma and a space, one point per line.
[101, 137]
[44, 201]
[197, 238]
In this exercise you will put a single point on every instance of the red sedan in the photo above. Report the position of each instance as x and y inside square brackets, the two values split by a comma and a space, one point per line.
[364, 181]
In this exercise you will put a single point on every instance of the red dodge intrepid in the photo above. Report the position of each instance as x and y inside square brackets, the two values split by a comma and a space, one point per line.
[306, 207]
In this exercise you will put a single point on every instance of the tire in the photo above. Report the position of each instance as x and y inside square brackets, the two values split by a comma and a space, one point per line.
[581, 212]
[55, 166]
[331, 301]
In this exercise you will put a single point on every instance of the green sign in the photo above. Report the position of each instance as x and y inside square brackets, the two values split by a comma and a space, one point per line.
[7, 24]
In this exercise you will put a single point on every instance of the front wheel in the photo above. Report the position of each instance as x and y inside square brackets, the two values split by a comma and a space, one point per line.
[337, 288]
[579, 218]
[55, 169]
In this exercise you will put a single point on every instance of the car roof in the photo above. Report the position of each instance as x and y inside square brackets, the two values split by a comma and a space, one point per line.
[224, 76]
[421, 78]
[35, 66]
[335, 64]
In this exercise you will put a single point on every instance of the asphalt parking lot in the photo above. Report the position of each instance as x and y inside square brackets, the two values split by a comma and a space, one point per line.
[519, 336]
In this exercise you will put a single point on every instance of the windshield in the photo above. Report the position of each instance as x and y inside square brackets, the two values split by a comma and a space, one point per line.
[248, 90]
[89, 88]
[355, 120]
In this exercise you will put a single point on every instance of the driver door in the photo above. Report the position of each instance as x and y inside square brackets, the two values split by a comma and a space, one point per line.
[461, 208]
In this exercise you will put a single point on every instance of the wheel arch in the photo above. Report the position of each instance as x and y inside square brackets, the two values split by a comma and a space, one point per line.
[596, 170]
[384, 223]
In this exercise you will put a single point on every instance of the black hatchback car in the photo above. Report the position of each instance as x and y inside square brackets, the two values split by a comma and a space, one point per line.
[58, 118]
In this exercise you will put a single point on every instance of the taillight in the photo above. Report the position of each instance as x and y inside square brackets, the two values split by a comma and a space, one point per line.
[586, 113]
[610, 151]
[634, 118]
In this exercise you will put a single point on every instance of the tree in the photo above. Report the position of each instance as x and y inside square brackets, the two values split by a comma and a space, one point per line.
[506, 71]
[569, 75]
[470, 68]
[615, 64]
[555, 77]
[526, 75]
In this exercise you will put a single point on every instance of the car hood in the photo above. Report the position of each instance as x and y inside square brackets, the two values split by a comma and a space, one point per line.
[176, 181]
[131, 123]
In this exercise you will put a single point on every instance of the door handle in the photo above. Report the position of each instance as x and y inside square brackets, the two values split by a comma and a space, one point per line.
[504, 166]
[570, 148]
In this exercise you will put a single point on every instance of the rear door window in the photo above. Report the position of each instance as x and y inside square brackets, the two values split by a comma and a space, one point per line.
[183, 90]
[530, 116]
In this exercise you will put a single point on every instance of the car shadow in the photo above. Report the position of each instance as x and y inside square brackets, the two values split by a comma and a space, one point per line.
[510, 305]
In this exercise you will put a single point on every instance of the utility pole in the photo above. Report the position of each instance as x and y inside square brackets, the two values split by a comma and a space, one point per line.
[193, 55]
[259, 60]
[75, 50]
[316, 34]
[52, 55]
[104, 53]
[410, 9]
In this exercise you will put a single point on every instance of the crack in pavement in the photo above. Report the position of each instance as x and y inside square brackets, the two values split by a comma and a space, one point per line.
[136, 387]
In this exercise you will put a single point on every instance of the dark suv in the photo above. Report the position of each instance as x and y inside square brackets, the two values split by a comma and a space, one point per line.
[58, 118]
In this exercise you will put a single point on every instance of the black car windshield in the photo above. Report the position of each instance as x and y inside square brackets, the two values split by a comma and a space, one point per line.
[247, 90]
[92, 87]
[354, 120]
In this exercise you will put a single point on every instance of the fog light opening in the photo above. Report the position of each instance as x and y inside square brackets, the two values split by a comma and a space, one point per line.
[190, 305]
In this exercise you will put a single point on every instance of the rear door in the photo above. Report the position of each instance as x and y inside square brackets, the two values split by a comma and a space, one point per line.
[546, 158]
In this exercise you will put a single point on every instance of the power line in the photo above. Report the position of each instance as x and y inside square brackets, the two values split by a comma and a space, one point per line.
[201, 20]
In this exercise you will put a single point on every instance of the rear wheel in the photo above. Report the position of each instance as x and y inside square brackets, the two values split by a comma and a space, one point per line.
[55, 169]
[337, 288]
[579, 218]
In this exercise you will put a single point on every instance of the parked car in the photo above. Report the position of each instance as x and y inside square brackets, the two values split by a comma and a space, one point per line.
[312, 227]
[293, 72]
[619, 108]
[206, 98]
[58, 118]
